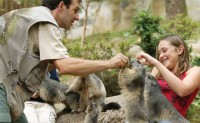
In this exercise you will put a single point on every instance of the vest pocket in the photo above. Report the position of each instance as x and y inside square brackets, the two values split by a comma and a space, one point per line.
[35, 78]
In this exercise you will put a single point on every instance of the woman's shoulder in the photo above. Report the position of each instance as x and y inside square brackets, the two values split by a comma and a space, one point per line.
[195, 69]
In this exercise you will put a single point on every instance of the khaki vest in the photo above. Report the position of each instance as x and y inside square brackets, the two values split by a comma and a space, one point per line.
[21, 71]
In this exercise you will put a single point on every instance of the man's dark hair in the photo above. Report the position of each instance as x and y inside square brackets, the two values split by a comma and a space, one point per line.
[52, 4]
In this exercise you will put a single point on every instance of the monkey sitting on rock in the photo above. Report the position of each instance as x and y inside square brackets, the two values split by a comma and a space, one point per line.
[145, 102]
[91, 88]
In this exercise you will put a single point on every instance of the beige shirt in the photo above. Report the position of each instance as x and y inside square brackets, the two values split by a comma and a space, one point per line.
[47, 38]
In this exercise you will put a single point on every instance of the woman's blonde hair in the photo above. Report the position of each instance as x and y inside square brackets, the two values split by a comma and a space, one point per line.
[184, 58]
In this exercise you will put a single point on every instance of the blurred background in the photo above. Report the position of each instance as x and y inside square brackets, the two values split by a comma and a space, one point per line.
[107, 27]
[115, 15]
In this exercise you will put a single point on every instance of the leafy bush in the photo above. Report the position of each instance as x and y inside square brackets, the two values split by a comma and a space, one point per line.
[194, 111]
[150, 28]
[181, 25]
[147, 26]
[196, 61]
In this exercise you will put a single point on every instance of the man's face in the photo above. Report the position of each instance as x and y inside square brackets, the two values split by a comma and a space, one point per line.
[69, 15]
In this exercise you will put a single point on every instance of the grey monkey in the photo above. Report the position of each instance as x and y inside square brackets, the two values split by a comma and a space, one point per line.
[91, 88]
[132, 82]
[53, 92]
[160, 109]
[92, 113]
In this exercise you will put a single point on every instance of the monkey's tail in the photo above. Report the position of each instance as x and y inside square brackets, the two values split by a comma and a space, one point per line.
[111, 106]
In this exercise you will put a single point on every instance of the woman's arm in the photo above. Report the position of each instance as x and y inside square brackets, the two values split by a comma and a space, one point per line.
[154, 72]
[181, 87]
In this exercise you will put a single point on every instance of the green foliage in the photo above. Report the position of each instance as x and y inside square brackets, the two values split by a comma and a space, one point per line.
[194, 111]
[1, 2]
[146, 26]
[196, 61]
[181, 25]
[123, 47]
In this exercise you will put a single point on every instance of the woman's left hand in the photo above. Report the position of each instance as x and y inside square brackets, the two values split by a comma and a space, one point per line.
[148, 60]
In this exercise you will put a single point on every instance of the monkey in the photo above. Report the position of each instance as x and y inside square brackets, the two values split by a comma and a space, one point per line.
[131, 80]
[144, 99]
[160, 109]
[92, 113]
[91, 88]
[53, 92]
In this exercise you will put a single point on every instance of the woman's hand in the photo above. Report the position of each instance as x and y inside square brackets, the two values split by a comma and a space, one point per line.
[118, 61]
[146, 59]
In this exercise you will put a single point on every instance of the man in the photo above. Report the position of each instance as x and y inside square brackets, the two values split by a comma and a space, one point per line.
[30, 41]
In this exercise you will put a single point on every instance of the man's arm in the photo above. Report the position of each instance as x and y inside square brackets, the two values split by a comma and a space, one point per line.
[75, 66]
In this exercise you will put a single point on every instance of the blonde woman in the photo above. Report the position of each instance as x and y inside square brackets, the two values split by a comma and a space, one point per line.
[179, 81]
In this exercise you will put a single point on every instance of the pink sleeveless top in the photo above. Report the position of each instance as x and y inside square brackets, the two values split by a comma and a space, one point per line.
[180, 103]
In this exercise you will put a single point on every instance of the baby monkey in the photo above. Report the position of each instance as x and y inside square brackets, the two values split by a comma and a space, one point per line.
[92, 113]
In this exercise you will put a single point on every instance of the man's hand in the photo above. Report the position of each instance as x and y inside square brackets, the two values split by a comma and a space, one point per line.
[118, 61]
[76, 66]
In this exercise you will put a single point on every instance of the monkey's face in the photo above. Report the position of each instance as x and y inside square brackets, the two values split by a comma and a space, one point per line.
[92, 107]
[133, 75]
[151, 84]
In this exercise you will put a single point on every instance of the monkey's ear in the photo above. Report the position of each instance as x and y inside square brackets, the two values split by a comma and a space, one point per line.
[180, 49]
